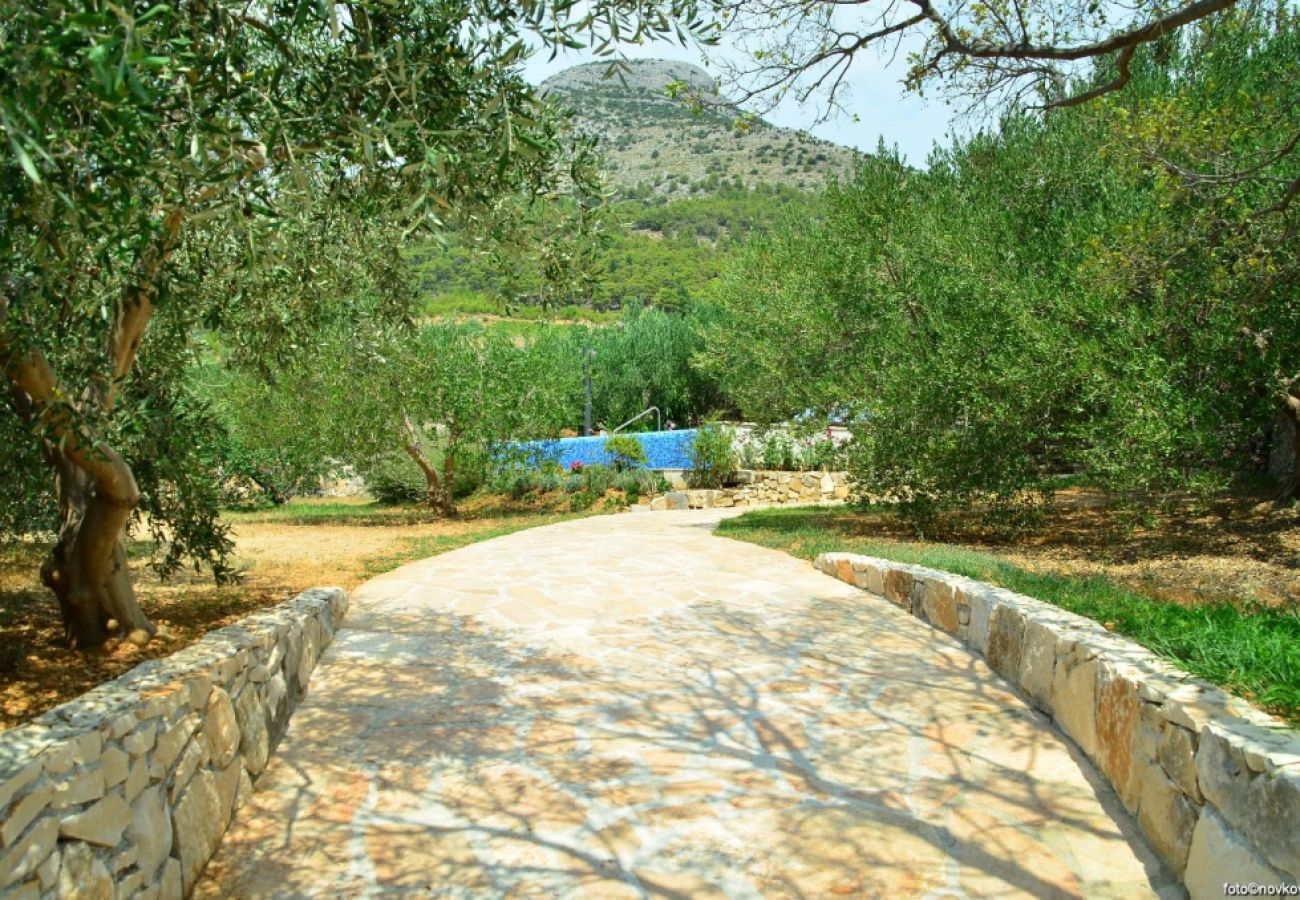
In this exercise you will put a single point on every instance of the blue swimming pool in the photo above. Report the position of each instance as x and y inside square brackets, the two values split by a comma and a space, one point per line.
[663, 449]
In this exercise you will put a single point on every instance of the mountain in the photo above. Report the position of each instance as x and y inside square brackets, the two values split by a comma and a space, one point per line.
[654, 144]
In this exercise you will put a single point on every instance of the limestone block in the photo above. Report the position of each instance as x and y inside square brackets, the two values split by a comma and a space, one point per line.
[150, 830]
[200, 818]
[48, 872]
[245, 790]
[1167, 818]
[1193, 705]
[197, 686]
[22, 776]
[1074, 701]
[170, 885]
[277, 696]
[117, 765]
[101, 824]
[1264, 808]
[123, 860]
[122, 725]
[658, 504]
[938, 605]
[844, 569]
[28, 890]
[129, 884]
[1219, 855]
[136, 780]
[24, 812]
[141, 740]
[677, 500]
[173, 741]
[84, 875]
[86, 748]
[1177, 755]
[193, 756]
[898, 588]
[255, 741]
[311, 646]
[1038, 664]
[869, 577]
[1118, 710]
[1146, 743]
[27, 853]
[1006, 641]
[81, 787]
[220, 728]
[977, 632]
[841, 492]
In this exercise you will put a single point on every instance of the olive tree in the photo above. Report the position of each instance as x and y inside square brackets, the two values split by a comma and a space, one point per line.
[148, 147]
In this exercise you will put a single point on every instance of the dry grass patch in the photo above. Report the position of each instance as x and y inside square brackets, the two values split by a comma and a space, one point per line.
[278, 553]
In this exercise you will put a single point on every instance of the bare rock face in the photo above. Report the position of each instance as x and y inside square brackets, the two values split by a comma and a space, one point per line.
[650, 138]
[648, 77]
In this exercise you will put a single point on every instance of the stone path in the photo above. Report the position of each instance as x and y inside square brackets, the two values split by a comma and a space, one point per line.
[628, 706]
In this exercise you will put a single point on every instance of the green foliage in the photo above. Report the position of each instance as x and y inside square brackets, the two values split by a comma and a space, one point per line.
[392, 478]
[713, 456]
[171, 170]
[626, 451]
[1253, 652]
[1060, 296]
[665, 254]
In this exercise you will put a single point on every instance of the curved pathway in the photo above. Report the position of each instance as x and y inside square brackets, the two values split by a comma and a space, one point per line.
[628, 706]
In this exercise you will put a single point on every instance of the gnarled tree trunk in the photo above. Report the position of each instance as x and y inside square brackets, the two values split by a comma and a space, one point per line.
[1290, 489]
[440, 489]
[87, 568]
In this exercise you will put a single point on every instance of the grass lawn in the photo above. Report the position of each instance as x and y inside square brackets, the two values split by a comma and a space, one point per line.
[1247, 646]
[278, 552]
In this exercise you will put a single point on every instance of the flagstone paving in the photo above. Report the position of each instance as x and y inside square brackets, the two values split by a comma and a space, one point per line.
[629, 706]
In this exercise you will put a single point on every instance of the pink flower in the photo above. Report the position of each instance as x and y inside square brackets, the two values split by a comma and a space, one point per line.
[575, 466]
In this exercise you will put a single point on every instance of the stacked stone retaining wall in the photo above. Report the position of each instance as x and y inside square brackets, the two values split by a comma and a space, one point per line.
[1213, 782]
[762, 488]
[126, 791]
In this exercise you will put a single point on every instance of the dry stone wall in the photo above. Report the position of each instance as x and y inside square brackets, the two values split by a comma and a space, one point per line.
[761, 488]
[126, 791]
[1213, 782]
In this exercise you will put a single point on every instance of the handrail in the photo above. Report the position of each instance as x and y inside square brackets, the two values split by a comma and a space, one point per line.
[653, 409]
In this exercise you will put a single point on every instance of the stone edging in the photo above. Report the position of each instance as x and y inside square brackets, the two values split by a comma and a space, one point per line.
[1213, 782]
[127, 790]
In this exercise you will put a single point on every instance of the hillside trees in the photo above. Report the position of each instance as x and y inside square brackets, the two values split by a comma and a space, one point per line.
[149, 145]
[1058, 296]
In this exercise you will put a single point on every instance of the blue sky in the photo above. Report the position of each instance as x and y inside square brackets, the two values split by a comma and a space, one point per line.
[883, 109]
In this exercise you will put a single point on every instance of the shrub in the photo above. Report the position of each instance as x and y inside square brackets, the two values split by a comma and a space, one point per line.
[778, 452]
[394, 478]
[626, 450]
[597, 479]
[583, 500]
[713, 456]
